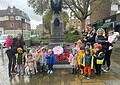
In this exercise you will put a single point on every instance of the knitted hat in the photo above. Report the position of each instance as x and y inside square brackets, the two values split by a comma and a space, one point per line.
[100, 30]
[19, 50]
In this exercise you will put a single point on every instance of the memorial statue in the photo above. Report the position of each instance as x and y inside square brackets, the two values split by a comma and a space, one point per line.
[56, 6]
[56, 22]
[57, 26]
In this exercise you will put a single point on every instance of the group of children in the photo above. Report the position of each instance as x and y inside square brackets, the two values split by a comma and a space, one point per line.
[87, 60]
[34, 61]
[91, 54]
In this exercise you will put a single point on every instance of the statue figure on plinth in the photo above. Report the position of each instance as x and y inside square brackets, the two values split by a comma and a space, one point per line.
[56, 6]
[57, 25]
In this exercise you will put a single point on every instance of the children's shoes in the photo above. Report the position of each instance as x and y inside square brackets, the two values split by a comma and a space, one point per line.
[48, 71]
[51, 72]
[88, 78]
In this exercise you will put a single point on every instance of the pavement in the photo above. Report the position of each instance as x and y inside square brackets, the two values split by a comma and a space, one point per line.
[63, 76]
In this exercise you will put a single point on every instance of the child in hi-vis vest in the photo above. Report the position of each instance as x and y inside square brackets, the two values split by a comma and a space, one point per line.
[99, 57]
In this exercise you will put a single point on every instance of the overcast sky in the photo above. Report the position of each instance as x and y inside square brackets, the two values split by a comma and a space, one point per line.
[22, 5]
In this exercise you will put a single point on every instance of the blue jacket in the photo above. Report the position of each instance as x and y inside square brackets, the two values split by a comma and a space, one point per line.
[51, 59]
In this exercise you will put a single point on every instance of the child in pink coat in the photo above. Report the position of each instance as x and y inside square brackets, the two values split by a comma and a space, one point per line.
[8, 41]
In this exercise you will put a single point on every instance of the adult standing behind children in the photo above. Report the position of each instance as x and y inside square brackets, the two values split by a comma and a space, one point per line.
[100, 36]
[90, 37]
[112, 38]
[8, 43]
[17, 43]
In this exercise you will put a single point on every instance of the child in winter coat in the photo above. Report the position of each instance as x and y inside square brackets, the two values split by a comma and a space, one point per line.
[72, 61]
[88, 63]
[20, 60]
[99, 58]
[79, 58]
[8, 42]
[43, 59]
[37, 59]
[30, 64]
[50, 61]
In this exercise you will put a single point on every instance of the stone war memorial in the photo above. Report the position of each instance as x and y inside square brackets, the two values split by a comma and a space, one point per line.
[57, 26]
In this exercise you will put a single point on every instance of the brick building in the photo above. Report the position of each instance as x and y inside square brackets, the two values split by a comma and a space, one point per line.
[100, 10]
[13, 21]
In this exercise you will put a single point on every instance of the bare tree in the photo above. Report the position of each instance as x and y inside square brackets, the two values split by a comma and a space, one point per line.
[80, 8]
[39, 6]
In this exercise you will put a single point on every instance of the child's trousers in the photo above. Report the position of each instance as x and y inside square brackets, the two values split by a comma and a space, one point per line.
[20, 69]
[50, 66]
[107, 58]
[87, 70]
[98, 69]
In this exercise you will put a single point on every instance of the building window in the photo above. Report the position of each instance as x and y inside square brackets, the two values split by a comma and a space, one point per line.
[18, 18]
[4, 18]
[11, 17]
[118, 7]
[11, 10]
[12, 25]
[114, 7]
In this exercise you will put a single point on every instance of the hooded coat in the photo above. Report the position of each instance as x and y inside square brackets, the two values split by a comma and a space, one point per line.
[8, 42]
[80, 56]
[51, 58]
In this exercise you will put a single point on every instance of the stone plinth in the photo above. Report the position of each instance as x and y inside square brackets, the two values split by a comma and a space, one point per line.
[57, 29]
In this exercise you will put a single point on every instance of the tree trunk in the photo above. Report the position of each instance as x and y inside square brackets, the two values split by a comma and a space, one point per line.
[83, 25]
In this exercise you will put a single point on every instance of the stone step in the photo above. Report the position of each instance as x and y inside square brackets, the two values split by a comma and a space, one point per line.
[62, 62]
[58, 66]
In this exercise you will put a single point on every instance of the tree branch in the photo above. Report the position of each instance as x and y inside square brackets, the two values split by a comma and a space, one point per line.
[76, 14]
[91, 1]
[85, 7]
[78, 7]
[78, 1]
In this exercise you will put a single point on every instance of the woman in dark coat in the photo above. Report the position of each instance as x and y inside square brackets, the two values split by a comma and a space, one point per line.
[8, 43]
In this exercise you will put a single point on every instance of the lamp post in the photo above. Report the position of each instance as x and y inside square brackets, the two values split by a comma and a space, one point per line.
[22, 21]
